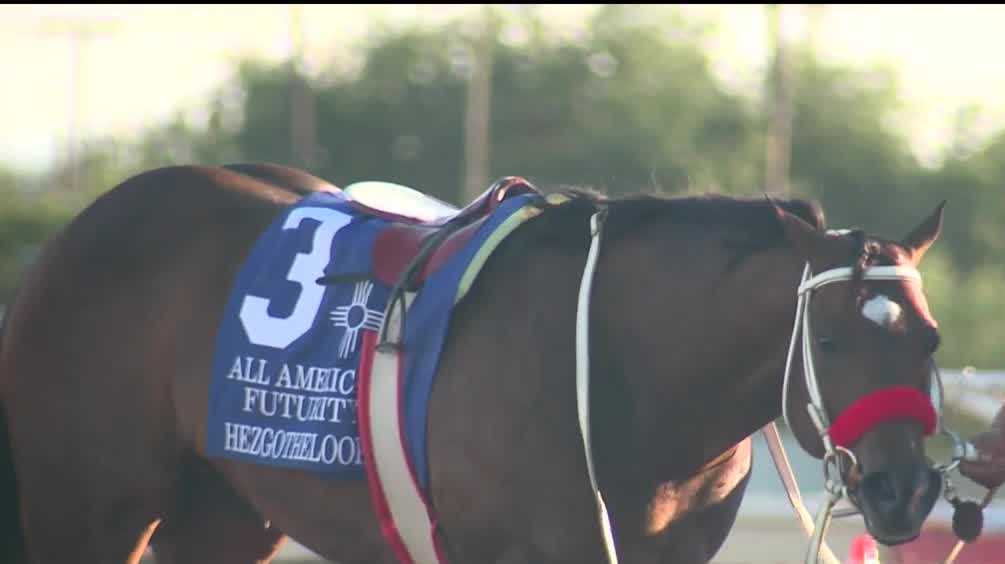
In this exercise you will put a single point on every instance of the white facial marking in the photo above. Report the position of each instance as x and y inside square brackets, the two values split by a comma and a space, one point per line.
[882, 311]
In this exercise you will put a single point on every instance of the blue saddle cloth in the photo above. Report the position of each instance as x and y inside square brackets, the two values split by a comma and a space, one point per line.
[283, 387]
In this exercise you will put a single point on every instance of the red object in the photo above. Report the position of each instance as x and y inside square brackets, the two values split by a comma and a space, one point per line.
[397, 245]
[934, 545]
[378, 497]
[863, 550]
[895, 402]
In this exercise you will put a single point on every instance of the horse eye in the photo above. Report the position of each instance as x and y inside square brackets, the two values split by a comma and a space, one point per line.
[826, 344]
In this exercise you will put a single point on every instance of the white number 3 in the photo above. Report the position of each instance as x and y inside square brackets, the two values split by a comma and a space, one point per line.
[279, 332]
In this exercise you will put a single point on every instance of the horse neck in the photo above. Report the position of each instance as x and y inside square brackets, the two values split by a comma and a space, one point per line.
[688, 361]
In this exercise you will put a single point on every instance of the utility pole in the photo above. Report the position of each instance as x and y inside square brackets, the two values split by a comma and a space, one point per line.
[478, 110]
[79, 33]
[779, 141]
[303, 139]
[815, 15]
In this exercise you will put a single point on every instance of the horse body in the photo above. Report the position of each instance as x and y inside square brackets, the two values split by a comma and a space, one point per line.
[105, 362]
[522, 465]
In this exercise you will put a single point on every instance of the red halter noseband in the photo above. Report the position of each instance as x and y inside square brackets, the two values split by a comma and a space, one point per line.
[888, 404]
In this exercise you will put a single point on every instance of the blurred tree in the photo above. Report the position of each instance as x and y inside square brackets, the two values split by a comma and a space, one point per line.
[477, 107]
[630, 105]
[779, 103]
[30, 215]
[845, 153]
[974, 186]
[627, 103]
[969, 307]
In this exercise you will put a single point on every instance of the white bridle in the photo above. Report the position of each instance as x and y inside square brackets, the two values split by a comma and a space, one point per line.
[818, 414]
[835, 479]
[835, 484]
[809, 284]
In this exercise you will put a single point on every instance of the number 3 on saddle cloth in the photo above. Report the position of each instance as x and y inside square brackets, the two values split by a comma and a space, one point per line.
[307, 374]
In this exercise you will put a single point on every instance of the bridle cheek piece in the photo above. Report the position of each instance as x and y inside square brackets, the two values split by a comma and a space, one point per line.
[863, 415]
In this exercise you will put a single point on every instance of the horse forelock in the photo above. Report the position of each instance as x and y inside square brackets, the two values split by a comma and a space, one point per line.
[870, 251]
[873, 251]
[864, 253]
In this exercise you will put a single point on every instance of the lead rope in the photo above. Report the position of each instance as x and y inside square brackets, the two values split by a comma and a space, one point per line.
[583, 379]
[791, 486]
[815, 529]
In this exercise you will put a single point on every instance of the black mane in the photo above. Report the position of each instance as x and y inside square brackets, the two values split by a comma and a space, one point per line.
[754, 216]
[752, 220]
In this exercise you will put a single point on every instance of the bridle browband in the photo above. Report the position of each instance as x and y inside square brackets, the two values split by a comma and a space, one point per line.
[916, 404]
[895, 402]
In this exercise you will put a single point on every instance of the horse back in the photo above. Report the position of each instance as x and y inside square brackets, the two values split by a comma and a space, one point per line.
[90, 370]
[129, 279]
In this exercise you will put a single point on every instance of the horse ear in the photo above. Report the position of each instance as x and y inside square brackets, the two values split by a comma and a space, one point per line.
[807, 240]
[922, 237]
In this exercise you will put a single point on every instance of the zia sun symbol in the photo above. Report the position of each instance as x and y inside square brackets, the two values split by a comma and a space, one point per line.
[355, 316]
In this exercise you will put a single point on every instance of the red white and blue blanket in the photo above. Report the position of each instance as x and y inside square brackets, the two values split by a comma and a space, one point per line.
[284, 384]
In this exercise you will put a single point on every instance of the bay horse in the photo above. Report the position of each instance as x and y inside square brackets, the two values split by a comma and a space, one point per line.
[105, 356]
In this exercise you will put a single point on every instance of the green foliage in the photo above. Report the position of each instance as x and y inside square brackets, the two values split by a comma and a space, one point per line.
[974, 186]
[401, 118]
[629, 104]
[970, 309]
[26, 219]
[625, 108]
[845, 155]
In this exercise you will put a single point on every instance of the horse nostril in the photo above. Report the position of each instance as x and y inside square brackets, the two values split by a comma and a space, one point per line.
[896, 500]
[881, 488]
[893, 491]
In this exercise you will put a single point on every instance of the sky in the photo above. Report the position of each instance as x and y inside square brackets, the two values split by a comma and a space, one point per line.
[144, 63]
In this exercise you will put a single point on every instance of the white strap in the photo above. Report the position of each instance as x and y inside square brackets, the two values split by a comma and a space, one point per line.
[788, 478]
[404, 499]
[775, 446]
[815, 406]
[583, 381]
[802, 325]
[871, 273]
[809, 371]
[800, 303]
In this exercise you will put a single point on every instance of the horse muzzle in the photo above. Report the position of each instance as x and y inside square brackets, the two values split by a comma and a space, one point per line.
[896, 500]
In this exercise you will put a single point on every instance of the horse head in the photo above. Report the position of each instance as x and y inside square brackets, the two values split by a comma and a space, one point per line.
[861, 387]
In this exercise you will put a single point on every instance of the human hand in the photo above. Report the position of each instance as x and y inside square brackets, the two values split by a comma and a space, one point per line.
[987, 468]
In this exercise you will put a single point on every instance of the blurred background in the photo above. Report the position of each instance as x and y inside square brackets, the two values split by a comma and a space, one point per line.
[879, 112]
